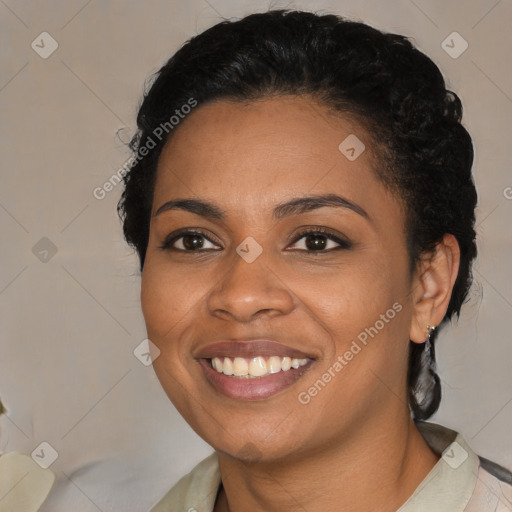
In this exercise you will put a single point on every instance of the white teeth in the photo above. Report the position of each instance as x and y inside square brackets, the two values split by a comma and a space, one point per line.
[217, 364]
[257, 366]
[240, 367]
[227, 367]
[274, 364]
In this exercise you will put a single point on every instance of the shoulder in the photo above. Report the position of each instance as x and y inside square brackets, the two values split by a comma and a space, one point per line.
[195, 491]
[493, 489]
[474, 483]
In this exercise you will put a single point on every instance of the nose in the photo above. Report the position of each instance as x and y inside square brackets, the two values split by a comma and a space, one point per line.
[250, 290]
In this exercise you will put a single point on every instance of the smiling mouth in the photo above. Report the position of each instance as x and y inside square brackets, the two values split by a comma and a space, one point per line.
[252, 369]
[259, 366]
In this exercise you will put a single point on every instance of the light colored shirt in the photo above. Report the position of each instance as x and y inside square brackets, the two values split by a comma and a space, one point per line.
[460, 481]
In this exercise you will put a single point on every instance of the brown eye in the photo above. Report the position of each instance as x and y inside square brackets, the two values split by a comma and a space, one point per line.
[319, 241]
[189, 241]
[316, 242]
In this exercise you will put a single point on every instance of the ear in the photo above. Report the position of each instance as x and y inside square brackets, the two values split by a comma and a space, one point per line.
[432, 287]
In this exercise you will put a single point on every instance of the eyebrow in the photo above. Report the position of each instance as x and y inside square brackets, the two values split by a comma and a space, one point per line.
[295, 206]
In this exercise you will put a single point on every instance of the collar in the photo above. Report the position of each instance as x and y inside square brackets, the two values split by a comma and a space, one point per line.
[448, 487]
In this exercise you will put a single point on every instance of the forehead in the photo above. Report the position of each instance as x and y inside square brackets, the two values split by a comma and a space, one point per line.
[253, 155]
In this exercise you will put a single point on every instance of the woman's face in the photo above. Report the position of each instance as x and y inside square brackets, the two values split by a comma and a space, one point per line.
[256, 293]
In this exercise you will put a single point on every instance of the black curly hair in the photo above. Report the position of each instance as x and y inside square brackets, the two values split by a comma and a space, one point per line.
[395, 91]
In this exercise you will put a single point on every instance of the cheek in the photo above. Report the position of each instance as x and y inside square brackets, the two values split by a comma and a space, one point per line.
[156, 299]
[168, 297]
[168, 307]
[365, 308]
[353, 297]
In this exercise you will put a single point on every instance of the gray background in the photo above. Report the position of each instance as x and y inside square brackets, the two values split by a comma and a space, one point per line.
[70, 321]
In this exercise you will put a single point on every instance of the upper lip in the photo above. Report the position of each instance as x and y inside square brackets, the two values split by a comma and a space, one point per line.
[249, 349]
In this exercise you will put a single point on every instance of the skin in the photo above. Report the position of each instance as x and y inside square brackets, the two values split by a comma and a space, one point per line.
[353, 446]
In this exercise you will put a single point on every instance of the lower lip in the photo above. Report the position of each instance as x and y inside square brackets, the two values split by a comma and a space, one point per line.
[256, 388]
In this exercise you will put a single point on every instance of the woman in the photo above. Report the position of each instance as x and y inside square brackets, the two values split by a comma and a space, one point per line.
[303, 207]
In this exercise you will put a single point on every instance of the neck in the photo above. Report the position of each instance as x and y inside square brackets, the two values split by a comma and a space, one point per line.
[376, 468]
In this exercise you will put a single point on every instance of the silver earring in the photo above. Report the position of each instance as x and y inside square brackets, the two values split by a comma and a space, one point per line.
[430, 330]
[426, 380]
[429, 360]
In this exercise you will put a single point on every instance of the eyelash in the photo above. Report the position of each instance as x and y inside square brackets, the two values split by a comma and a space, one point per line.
[343, 244]
[167, 245]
